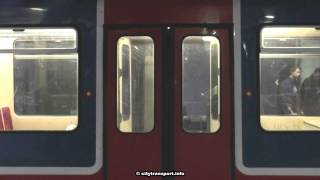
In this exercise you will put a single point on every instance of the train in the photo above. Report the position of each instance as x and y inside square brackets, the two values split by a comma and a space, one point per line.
[173, 89]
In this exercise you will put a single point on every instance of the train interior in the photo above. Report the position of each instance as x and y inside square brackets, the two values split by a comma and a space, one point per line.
[288, 101]
[135, 84]
[201, 90]
[200, 84]
[39, 79]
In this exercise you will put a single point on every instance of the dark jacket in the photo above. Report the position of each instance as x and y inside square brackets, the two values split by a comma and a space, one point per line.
[288, 100]
[310, 100]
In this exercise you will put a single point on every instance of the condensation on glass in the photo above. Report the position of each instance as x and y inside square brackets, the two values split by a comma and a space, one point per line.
[290, 78]
[200, 84]
[135, 84]
[38, 79]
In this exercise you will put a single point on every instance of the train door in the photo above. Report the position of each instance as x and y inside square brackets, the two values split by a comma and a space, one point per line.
[202, 103]
[133, 102]
[168, 102]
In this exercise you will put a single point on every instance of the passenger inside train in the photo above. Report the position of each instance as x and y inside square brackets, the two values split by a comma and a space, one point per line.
[289, 78]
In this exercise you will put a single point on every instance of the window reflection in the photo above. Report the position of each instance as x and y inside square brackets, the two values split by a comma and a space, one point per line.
[290, 86]
[39, 79]
[290, 78]
[45, 85]
[200, 84]
[135, 92]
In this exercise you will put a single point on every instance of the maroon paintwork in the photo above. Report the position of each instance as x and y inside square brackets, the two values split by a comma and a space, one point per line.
[168, 11]
[7, 121]
[1, 121]
[130, 152]
[202, 157]
[205, 156]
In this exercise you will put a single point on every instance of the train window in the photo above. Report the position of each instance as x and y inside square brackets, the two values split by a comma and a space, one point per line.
[200, 84]
[39, 79]
[290, 78]
[135, 84]
[45, 84]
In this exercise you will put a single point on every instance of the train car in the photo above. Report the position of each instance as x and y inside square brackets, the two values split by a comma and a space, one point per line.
[51, 89]
[275, 66]
[120, 89]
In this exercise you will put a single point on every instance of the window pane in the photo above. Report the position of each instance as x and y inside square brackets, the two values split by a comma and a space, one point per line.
[45, 85]
[29, 38]
[39, 79]
[135, 84]
[200, 84]
[290, 37]
[45, 44]
[290, 79]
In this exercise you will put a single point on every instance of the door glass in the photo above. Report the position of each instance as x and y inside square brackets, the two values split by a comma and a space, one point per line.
[200, 84]
[135, 84]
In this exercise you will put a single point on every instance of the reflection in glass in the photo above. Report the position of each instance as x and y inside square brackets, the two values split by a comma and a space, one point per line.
[45, 85]
[39, 79]
[290, 37]
[290, 78]
[135, 84]
[200, 84]
[125, 75]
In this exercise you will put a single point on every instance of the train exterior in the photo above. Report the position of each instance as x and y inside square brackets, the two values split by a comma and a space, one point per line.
[170, 89]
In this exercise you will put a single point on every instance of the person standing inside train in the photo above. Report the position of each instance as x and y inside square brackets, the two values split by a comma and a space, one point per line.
[310, 94]
[289, 92]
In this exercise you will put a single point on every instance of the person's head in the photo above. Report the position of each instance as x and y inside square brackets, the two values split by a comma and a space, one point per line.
[295, 72]
[316, 74]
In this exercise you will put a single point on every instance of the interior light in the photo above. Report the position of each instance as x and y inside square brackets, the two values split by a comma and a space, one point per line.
[269, 16]
[208, 38]
[38, 9]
